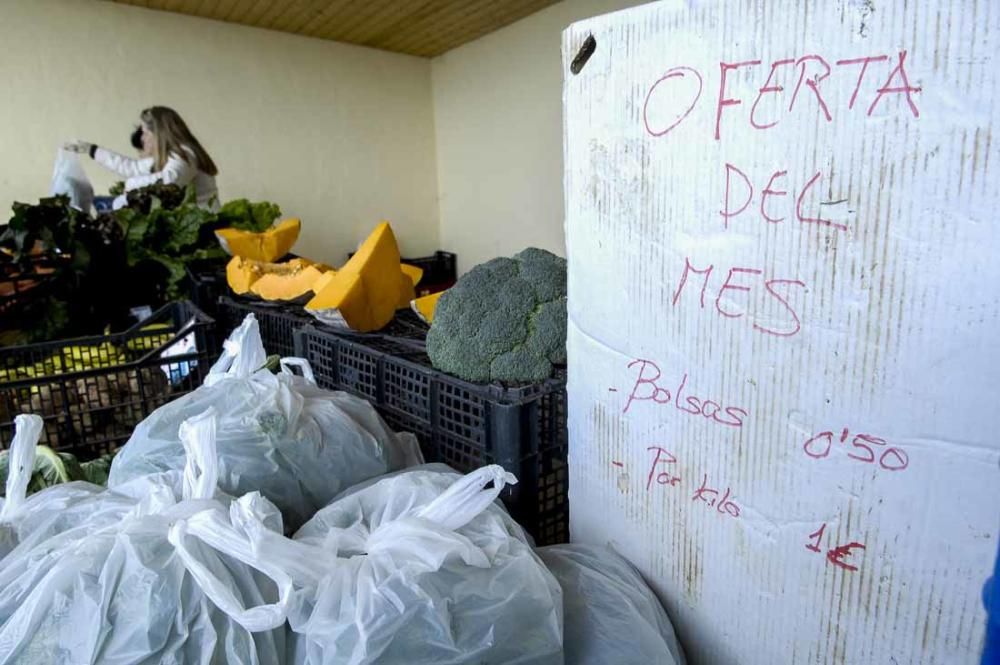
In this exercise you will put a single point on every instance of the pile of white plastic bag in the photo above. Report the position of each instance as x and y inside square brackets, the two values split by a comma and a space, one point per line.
[278, 434]
[159, 571]
[261, 519]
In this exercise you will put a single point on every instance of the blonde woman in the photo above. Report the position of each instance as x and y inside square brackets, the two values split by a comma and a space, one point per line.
[171, 154]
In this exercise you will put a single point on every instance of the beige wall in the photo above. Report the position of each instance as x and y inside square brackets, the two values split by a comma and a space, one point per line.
[339, 135]
[498, 123]
[462, 153]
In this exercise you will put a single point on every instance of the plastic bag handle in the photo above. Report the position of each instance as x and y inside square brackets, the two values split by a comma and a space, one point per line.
[302, 364]
[218, 533]
[201, 468]
[242, 353]
[21, 462]
[465, 499]
[306, 564]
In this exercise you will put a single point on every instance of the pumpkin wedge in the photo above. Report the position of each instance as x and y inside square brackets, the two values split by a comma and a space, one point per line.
[365, 293]
[408, 285]
[324, 280]
[268, 245]
[242, 274]
[286, 286]
[413, 272]
[424, 306]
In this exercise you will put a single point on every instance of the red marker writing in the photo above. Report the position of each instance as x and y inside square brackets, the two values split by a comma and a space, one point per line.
[837, 554]
[710, 496]
[663, 477]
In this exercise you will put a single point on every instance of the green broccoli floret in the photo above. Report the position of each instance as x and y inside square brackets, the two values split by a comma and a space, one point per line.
[505, 320]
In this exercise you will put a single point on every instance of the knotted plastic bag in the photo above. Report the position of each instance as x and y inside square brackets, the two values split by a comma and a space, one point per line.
[297, 444]
[25, 519]
[422, 566]
[173, 578]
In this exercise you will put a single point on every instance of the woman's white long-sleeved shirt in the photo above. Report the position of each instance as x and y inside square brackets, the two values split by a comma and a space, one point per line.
[139, 173]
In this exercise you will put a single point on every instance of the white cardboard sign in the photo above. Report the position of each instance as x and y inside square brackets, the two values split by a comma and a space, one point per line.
[784, 311]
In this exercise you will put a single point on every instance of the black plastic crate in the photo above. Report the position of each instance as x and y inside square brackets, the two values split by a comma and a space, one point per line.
[463, 424]
[278, 321]
[206, 280]
[92, 391]
[440, 271]
[405, 327]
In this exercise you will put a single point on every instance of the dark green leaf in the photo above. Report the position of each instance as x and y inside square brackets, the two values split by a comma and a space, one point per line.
[54, 468]
[242, 214]
[96, 471]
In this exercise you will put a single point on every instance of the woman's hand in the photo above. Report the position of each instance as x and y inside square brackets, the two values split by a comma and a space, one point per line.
[82, 147]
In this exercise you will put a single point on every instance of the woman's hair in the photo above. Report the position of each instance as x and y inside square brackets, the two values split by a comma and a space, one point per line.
[173, 136]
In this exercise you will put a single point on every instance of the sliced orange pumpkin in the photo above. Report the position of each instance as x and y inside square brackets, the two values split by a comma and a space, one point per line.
[242, 274]
[324, 280]
[268, 245]
[286, 286]
[365, 293]
[413, 272]
[424, 306]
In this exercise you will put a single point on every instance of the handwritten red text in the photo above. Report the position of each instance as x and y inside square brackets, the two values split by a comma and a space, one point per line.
[839, 555]
[864, 447]
[788, 83]
[737, 281]
[739, 194]
[722, 505]
[663, 471]
[648, 388]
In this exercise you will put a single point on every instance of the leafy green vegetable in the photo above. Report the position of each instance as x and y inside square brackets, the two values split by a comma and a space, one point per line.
[247, 216]
[165, 239]
[272, 364]
[84, 255]
[51, 223]
[157, 194]
[106, 266]
[96, 471]
[54, 468]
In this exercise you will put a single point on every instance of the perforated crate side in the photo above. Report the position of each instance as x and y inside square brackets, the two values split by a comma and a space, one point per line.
[321, 352]
[403, 424]
[461, 413]
[125, 377]
[358, 370]
[462, 424]
[457, 453]
[553, 468]
[278, 323]
[409, 391]
[552, 520]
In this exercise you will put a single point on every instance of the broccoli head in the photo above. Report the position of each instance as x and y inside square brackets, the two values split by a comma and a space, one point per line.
[505, 320]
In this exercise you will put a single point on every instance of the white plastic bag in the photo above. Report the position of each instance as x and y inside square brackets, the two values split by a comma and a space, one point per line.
[174, 579]
[69, 178]
[610, 614]
[422, 566]
[21, 464]
[27, 519]
[279, 434]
